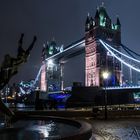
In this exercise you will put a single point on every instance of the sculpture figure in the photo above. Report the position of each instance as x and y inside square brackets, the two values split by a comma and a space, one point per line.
[9, 68]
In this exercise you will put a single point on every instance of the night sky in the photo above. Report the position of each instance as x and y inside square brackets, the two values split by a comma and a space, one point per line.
[62, 19]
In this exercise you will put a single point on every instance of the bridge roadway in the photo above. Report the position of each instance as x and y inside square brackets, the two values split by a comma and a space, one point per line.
[74, 49]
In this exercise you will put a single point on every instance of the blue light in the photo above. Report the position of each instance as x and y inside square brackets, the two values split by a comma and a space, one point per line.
[121, 87]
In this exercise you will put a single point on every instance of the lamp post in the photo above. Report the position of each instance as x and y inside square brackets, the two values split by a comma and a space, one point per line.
[105, 77]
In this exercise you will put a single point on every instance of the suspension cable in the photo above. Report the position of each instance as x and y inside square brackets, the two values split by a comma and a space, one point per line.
[130, 50]
[125, 49]
[121, 53]
[127, 64]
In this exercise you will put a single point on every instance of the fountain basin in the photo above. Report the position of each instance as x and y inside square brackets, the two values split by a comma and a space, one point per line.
[48, 128]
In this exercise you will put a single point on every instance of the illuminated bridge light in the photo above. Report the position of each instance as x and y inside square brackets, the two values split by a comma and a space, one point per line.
[120, 87]
[122, 61]
[122, 53]
[37, 77]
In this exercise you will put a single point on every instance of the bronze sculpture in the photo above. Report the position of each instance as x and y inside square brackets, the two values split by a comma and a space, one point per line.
[9, 68]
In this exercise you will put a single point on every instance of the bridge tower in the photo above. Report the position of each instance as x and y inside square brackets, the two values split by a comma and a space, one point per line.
[53, 67]
[43, 82]
[96, 57]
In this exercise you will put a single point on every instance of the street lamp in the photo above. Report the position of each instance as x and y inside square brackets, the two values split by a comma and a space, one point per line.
[105, 77]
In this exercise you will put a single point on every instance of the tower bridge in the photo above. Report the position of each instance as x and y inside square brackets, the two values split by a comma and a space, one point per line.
[102, 47]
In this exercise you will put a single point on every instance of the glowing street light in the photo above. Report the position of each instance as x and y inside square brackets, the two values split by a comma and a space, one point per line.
[105, 77]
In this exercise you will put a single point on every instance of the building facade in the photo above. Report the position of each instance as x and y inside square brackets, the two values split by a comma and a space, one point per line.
[97, 59]
[51, 69]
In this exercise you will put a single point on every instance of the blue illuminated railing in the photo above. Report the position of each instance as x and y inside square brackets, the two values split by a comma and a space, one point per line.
[122, 87]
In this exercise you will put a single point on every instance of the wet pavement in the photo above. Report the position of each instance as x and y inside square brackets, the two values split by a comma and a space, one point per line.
[117, 129]
[122, 129]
